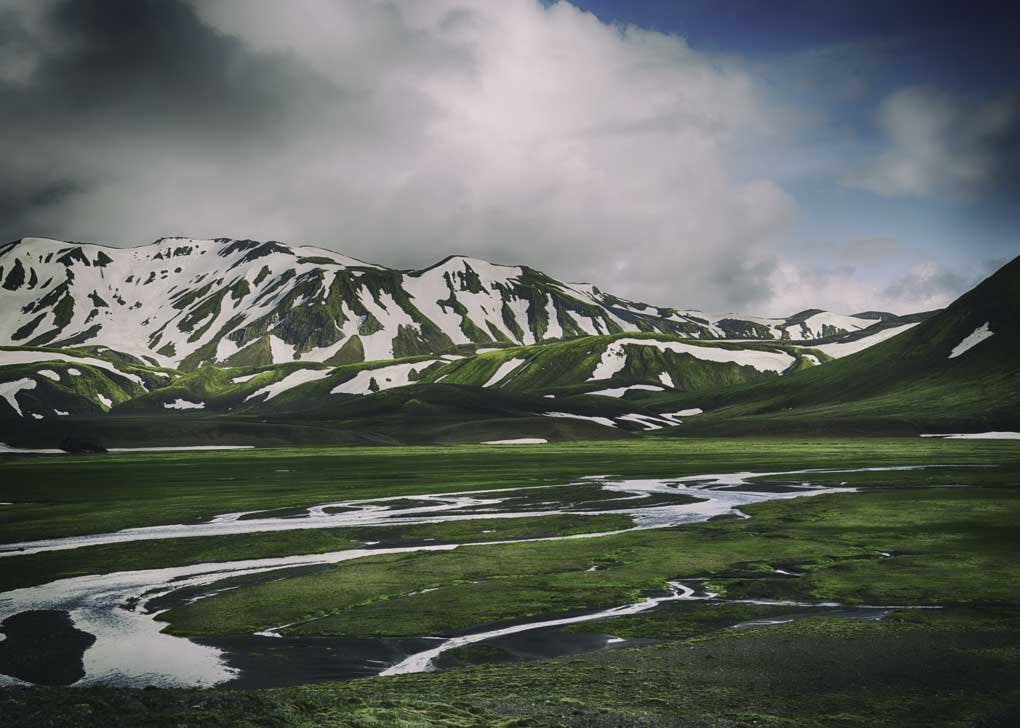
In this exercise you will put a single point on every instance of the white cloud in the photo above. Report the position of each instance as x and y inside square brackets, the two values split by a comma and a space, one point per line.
[510, 130]
[942, 145]
[923, 286]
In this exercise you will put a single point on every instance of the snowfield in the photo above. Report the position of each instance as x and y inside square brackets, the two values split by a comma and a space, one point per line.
[177, 296]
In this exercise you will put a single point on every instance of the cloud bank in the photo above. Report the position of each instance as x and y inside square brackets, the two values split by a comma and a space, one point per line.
[399, 132]
[945, 145]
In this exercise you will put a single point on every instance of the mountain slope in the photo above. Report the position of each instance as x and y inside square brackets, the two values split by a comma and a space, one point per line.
[183, 303]
[958, 370]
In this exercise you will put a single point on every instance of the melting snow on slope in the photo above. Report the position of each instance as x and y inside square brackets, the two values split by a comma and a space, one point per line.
[245, 378]
[105, 401]
[979, 436]
[568, 415]
[33, 357]
[395, 375]
[979, 334]
[505, 369]
[667, 380]
[294, 379]
[614, 359]
[674, 417]
[518, 441]
[649, 423]
[182, 404]
[837, 351]
[10, 390]
[620, 391]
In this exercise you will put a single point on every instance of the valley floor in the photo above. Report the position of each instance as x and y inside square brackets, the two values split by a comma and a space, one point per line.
[890, 598]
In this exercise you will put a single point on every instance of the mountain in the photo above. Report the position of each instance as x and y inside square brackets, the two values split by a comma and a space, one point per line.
[957, 370]
[184, 303]
[239, 342]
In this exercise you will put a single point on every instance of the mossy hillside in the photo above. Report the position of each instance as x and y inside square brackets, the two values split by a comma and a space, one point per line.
[214, 387]
[566, 366]
[76, 394]
[908, 382]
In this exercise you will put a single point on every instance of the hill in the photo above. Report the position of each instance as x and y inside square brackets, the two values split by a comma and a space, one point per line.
[956, 371]
[183, 303]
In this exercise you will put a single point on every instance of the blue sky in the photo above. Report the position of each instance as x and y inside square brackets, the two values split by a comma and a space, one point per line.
[756, 156]
[840, 61]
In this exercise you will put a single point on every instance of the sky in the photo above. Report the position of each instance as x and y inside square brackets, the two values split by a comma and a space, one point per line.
[754, 156]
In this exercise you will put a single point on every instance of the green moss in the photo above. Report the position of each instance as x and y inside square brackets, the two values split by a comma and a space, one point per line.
[351, 352]
[257, 353]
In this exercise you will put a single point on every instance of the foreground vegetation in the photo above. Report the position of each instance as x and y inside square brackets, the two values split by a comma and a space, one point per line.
[943, 537]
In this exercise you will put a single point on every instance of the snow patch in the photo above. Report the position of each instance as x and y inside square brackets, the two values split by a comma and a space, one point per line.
[614, 358]
[649, 423]
[49, 374]
[667, 380]
[568, 415]
[620, 391]
[389, 377]
[979, 334]
[518, 441]
[181, 448]
[979, 436]
[33, 357]
[245, 378]
[61, 413]
[294, 379]
[182, 404]
[10, 391]
[105, 401]
[837, 351]
[504, 370]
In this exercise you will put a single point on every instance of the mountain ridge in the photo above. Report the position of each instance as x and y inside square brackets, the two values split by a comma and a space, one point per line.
[185, 302]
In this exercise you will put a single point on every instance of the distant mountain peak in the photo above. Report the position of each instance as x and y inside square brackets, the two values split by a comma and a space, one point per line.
[184, 302]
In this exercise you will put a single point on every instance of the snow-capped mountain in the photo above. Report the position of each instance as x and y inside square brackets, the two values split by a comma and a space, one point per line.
[182, 302]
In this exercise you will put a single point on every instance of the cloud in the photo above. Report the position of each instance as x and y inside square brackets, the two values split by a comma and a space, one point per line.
[395, 132]
[940, 145]
[922, 286]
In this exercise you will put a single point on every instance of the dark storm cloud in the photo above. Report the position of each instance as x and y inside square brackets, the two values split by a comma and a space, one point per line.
[119, 78]
[399, 132]
[396, 132]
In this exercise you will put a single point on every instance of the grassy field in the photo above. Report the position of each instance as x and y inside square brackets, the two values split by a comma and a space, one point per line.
[942, 537]
[65, 495]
